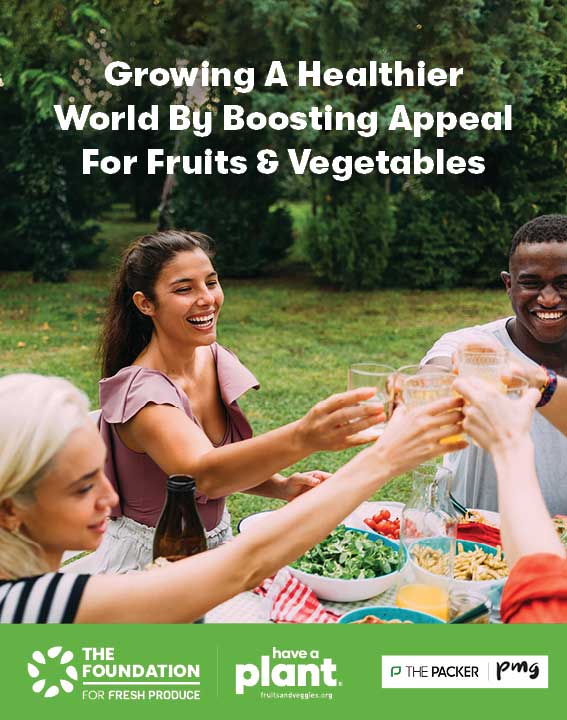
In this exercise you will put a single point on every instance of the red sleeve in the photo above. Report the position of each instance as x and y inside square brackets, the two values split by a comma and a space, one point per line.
[536, 591]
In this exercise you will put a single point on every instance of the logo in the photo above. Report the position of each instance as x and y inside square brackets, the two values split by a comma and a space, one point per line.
[522, 666]
[100, 676]
[464, 671]
[55, 664]
[314, 673]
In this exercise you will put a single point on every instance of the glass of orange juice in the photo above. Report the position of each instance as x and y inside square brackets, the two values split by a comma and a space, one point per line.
[429, 599]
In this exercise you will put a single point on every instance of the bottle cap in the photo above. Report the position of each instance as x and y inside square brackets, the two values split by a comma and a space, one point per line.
[180, 483]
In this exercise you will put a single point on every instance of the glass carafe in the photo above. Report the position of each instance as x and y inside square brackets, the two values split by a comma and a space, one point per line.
[428, 532]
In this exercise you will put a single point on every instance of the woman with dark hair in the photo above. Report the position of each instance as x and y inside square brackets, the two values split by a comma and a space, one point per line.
[169, 402]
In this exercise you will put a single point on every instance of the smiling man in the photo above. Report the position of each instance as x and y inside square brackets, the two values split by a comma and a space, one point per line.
[537, 333]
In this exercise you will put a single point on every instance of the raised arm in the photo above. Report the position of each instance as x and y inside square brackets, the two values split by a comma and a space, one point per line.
[501, 426]
[178, 445]
[556, 409]
[185, 590]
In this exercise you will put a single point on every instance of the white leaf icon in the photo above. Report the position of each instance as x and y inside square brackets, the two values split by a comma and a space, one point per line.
[54, 653]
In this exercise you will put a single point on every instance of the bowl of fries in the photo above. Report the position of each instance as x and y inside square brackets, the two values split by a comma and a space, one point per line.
[476, 565]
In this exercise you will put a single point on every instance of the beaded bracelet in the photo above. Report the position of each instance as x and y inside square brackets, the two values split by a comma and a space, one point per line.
[548, 388]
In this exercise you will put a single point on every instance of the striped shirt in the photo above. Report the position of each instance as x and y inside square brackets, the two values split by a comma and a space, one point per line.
[50, 598]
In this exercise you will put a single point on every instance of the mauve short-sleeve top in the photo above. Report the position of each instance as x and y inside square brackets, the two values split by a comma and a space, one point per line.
[138, 480]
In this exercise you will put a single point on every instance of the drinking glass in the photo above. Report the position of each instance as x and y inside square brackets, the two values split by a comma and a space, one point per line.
[424, 598]
[515, 387]
[369, 374]
[406, 371]
[484, 361]
[460, 601]
[425, 388]
[421, 389]
[411, 370]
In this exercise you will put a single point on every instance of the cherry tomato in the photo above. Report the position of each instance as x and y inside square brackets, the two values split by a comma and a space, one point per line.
[371, 524]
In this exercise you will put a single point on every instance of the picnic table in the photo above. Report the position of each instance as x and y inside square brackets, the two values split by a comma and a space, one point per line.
[248, 607]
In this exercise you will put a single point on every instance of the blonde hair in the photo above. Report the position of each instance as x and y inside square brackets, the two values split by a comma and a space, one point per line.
[37, 415]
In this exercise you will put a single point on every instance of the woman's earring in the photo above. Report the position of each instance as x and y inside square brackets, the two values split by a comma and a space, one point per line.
[12, 525]
[8, 519]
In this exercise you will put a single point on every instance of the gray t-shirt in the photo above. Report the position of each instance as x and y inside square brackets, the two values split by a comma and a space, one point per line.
[475, 476]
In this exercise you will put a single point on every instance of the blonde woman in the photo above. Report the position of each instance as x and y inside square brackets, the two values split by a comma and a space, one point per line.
[54, 495]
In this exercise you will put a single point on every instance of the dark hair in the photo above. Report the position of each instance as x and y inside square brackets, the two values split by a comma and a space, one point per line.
[126, 331]
[545, 228]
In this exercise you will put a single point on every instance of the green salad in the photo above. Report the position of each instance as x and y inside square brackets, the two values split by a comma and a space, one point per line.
[348, 555]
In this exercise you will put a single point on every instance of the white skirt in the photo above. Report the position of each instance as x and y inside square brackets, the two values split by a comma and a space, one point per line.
[127, 546]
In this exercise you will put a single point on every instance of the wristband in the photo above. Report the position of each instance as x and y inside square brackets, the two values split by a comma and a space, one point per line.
[548, 388]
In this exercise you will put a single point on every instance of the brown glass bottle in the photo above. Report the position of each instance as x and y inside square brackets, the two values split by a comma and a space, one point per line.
[179, 531]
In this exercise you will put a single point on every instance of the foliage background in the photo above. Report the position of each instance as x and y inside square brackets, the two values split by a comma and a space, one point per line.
[434, 231]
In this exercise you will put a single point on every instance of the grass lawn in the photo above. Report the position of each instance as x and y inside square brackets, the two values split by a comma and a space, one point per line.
[297, 337]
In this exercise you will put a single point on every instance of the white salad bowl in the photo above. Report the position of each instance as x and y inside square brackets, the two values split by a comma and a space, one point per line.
[337, 590]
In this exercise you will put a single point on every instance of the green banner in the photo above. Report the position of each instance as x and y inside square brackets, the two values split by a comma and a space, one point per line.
[280, 670]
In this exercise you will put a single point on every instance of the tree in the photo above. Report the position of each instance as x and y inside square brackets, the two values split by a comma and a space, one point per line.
[451, 229]
[455, 231]
[143, 35]
[237, 210]
[349, 244]
[41, 44]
